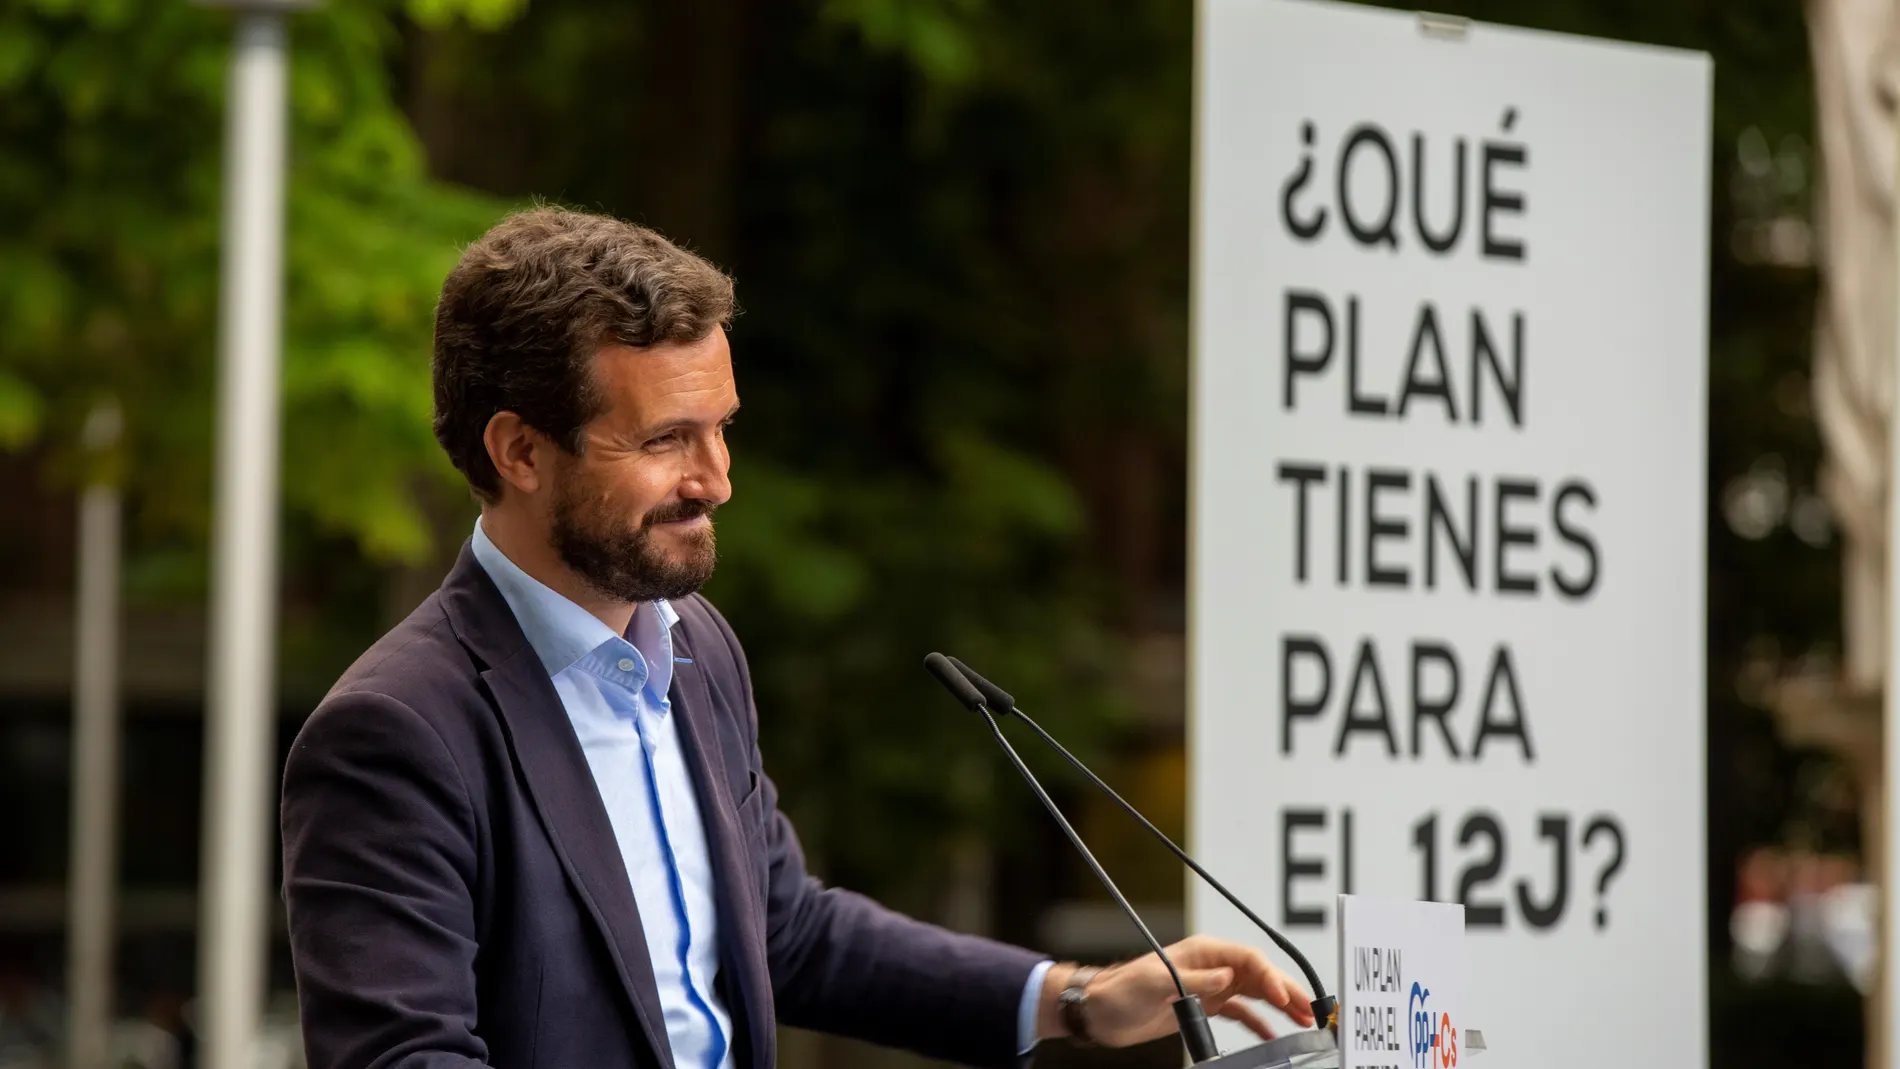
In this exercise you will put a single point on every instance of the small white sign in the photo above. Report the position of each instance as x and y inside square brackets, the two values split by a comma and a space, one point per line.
[1401, 983]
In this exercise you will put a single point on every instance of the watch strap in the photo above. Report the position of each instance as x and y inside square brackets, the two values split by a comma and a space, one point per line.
[1072, 1000]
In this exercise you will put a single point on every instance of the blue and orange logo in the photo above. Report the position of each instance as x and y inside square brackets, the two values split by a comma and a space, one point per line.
[1434, 1037]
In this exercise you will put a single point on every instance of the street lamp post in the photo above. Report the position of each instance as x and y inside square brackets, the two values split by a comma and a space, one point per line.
[241, 717]
[1881, 1040]
[90, 924]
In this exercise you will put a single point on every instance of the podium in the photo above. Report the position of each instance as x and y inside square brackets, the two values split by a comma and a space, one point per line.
[1311, 1049]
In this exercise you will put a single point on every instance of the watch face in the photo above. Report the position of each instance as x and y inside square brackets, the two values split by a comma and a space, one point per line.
[1069, 1004]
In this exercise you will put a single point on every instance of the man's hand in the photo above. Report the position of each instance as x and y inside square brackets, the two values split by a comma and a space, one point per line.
[1133, 1002]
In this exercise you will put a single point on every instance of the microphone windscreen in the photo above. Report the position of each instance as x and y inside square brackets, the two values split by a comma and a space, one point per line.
[954, 681]
[996, 698]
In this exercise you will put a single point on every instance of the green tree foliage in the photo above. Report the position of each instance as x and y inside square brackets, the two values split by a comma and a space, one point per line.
[112, 116]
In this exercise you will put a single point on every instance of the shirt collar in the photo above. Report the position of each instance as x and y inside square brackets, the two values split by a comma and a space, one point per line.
[562, 632]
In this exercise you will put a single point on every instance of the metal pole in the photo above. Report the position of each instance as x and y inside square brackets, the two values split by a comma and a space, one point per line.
[240, 742]
[95, 797]
[1883, 1048]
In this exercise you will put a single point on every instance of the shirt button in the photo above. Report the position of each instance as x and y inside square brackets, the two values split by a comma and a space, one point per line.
[626, 664]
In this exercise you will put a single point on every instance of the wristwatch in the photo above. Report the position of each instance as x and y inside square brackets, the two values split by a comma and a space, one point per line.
[1070, 1002]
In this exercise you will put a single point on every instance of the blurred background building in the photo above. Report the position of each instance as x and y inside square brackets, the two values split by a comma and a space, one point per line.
[960, 233]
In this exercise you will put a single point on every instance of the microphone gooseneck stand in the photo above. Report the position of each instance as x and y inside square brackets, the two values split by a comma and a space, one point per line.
[1325, 1007]
[1188, 1013]
[1307, 1047]
[1196, 1034]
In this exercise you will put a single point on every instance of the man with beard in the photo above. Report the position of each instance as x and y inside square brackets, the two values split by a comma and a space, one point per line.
[530, 826]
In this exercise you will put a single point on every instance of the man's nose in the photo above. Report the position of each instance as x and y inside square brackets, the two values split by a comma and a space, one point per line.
[707, 480]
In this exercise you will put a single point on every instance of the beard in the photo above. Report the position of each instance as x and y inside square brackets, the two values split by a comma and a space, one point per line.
[621, 561]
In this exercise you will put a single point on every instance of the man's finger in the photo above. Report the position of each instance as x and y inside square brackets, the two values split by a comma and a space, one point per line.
[1259, 979]
[1237, 1010]
[1207, 983]
[1270, 985]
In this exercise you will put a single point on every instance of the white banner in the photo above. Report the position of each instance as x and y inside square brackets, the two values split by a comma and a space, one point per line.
[1448, 504]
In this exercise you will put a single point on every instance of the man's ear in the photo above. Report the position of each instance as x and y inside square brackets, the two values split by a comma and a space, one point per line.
[519, 452]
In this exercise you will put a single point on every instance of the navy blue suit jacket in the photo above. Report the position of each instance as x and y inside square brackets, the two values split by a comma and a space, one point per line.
[456, 896]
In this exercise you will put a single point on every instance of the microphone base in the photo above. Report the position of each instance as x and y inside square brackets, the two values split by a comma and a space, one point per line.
[1312, 1049]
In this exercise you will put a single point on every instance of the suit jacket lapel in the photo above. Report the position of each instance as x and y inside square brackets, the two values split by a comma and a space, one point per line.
[741, 916]
[559, 782]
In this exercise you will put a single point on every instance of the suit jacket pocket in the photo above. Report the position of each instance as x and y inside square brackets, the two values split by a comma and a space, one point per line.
[748, 803]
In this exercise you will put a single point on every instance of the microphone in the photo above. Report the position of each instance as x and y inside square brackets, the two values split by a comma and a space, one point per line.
[996, 698]
[1196, 1034]
[979, 692]
[956, 681]
[1325, 1007]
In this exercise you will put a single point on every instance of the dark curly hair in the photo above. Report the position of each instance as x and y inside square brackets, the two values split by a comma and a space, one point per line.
[530, 304]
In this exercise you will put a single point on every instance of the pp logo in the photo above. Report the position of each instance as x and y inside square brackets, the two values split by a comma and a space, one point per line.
[1434, 1037]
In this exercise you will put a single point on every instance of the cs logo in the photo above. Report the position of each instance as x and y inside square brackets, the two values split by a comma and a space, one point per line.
[1434, 1038]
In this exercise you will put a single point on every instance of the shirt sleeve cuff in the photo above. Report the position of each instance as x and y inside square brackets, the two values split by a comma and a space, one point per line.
[1026, 1013]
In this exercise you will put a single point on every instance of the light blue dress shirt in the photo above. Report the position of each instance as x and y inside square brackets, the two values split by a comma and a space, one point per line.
[614, 691]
